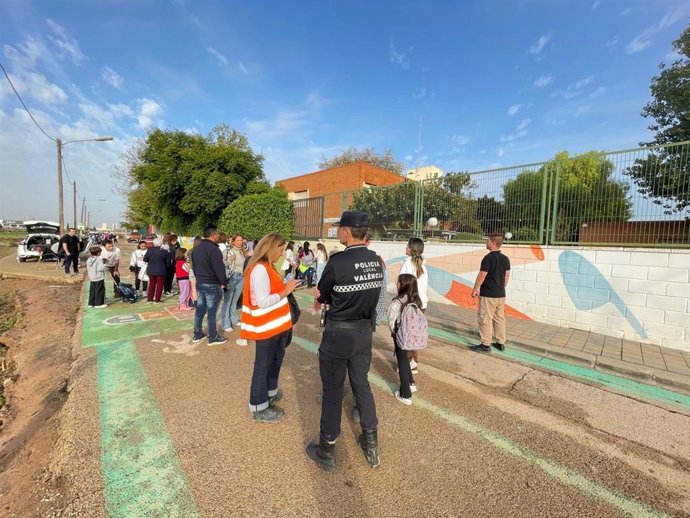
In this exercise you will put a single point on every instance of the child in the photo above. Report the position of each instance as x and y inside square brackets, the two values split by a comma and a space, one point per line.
[136, 263]
[182, 272]
[95, 266]
[407, 293]
[414, 264]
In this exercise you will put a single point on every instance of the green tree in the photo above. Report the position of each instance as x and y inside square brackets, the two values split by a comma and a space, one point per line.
[585, 192]
[385, 161]
[255, 215]
[664, 174]
[181, 182]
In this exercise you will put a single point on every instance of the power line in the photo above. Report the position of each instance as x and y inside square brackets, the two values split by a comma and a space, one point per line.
[24, 105]
[64, 168]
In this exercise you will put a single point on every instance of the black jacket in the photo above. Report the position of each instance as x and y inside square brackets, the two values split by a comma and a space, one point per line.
[157, 261]
[207, 263]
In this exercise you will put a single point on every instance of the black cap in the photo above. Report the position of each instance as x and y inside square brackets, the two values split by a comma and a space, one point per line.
[353, 219]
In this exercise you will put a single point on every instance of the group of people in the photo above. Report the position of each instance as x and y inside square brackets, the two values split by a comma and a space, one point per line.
[306, 264]
[350, 285]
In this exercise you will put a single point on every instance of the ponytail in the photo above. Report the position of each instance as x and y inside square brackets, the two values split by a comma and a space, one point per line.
[416, 247]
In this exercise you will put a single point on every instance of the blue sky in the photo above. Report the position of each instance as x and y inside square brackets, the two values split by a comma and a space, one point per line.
[495, 83]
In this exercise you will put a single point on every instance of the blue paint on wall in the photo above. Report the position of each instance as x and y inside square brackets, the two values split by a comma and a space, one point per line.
[589, 289]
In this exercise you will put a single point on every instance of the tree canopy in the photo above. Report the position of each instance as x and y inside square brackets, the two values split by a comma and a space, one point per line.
[255, 215]
[664, 174]
[181, 182]
[385, 161]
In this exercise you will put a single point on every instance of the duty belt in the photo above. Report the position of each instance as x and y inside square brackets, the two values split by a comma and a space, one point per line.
[350, 324]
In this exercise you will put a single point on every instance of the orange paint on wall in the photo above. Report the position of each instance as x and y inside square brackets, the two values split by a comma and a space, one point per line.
[461, 295]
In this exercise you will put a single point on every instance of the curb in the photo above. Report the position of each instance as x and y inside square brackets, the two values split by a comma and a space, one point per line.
[654, 377]
[34, 277]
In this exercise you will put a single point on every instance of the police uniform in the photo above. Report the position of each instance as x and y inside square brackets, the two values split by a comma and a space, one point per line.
[350, 284]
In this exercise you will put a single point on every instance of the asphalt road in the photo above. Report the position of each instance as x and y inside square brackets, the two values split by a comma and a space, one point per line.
[484, 437]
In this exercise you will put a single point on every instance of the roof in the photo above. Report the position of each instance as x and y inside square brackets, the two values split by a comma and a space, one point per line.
[363, 162]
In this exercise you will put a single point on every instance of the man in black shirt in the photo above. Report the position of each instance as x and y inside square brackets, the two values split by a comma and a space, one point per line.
[490, 287]
[69, 244]
[350, 284]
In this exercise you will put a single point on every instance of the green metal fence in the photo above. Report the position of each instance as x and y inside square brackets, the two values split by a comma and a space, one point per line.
[635, 197]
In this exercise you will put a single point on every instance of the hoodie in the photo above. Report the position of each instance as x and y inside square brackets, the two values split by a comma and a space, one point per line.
[95, 268]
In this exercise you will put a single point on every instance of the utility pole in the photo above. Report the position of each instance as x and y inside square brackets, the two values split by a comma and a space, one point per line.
[61, 220]
[75, 203]
[83, 212]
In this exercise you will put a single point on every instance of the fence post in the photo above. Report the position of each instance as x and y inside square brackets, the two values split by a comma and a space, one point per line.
[543, 214]
[554, 198]
[418, 209]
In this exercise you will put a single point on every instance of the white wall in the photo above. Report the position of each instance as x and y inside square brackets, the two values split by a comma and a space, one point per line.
[636, 294]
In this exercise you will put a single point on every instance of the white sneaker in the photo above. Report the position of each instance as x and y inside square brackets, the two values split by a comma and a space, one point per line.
[413, 387]
[403, 400]
[228, 329]
[241, 342]
[101, 306]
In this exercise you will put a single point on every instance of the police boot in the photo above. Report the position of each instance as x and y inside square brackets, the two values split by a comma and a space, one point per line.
[323, 454]
[369, 443]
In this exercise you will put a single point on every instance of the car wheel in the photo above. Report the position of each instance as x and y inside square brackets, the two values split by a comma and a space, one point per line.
[22, 259]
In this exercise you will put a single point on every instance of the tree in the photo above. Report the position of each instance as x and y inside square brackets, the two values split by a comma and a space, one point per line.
[255, 215]
[181, 182]
[585, 192]
[385, 161]
[665, 173]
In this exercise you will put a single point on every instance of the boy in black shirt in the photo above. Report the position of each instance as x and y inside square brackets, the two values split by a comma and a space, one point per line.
[490, 287]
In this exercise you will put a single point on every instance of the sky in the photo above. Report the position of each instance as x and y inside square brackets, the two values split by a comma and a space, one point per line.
[465, 86]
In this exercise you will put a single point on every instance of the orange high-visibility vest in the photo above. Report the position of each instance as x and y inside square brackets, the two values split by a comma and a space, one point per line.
[261, 323]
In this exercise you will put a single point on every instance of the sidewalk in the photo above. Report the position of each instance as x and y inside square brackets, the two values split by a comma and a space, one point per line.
[651, 364]
[10, 268]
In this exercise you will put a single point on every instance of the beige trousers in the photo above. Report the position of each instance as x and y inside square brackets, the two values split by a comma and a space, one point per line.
[492, 320]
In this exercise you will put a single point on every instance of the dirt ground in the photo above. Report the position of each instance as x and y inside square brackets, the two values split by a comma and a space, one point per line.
[38, 356]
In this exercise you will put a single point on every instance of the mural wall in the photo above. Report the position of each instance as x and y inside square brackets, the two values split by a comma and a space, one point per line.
[636, 294]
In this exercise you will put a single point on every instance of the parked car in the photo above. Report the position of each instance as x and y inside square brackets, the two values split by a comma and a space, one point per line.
[134, 237]
[42, 238]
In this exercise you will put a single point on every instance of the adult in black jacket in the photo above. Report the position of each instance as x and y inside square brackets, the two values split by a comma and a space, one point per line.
[157, 261]
[211, 278]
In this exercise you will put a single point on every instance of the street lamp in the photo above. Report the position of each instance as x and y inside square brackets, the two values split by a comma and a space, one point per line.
[83, 212]
[60, 143]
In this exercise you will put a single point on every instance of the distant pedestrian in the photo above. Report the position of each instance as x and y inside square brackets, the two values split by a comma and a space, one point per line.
[70, 245]
[211, 280]
[307, 262]
[111, 257]
[289, 261]
[321, 260]
[490, 287]
[235, 256]
[266, 319]
[414, 265]
[136, 264]
[172, 245]
[95, 268]
[182, 274]
[192, 277]
[157, 261]
[407, 294]
[350, 285]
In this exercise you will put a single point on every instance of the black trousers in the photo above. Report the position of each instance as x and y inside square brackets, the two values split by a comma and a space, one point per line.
[345, 351]
[169, 278]
[97, 293]
[404, 371]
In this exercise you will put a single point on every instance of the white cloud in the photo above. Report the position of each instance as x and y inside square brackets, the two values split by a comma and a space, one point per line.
[520, 131]
[423, 94]
[644, 39]
[286, 122]
[112, 78]
[32, 85]
[539, 45]
[398, 58]
[460, 140]
[149, 110]
[500, 152]
[243, 68]
[612, 42]
[543, 81]
[220, 57]
[574, 90]
[514, 109]
[65, 42]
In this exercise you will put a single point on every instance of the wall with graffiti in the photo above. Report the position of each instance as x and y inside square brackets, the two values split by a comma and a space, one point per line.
[638, 294]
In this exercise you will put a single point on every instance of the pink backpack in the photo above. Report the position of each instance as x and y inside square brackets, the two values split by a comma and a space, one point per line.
[412, 332]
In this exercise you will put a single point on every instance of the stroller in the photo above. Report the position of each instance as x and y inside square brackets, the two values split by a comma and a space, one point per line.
[126, 291]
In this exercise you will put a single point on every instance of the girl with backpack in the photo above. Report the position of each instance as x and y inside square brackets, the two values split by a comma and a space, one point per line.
[409, 330]
[414, 265]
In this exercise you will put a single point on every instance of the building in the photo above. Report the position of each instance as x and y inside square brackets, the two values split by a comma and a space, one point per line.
[321, 196]
[427, 172]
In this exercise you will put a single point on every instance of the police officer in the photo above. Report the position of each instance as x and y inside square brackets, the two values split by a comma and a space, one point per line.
[350, 284]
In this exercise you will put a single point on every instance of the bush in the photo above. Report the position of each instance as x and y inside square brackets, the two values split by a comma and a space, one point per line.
[255, 215]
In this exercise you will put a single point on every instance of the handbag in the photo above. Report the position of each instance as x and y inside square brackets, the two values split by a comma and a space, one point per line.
[295, 311]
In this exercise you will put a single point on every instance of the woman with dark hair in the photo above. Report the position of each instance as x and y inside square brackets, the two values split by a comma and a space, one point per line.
[407, 294]
[192, 277]
[170, 244]
[289, 259]
[307, 263]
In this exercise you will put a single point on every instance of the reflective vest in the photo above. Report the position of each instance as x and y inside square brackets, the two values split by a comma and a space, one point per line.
[261, 323]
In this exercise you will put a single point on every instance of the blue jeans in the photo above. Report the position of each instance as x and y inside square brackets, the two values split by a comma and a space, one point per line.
[228, 315]
[267, 364]
[208, 299]
[72, 260]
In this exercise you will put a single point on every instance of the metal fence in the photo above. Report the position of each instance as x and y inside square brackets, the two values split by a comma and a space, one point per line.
[636, 197]
[308, 217]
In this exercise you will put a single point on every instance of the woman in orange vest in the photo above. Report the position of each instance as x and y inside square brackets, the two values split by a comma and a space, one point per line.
[266, 319]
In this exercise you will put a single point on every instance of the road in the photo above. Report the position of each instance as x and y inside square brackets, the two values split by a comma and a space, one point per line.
[159, 426]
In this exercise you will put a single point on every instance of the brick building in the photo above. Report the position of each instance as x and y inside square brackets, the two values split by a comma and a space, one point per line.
[321, 196]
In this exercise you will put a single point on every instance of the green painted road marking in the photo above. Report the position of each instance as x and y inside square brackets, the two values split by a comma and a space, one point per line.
[612, 381]
[141, 470]
[554, 470]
